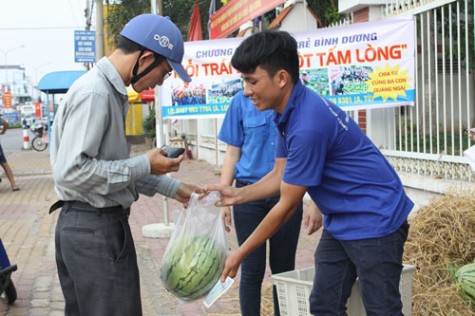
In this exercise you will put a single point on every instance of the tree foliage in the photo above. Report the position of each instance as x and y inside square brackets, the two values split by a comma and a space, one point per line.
[180, 12]
[119, 13]
[326, 10]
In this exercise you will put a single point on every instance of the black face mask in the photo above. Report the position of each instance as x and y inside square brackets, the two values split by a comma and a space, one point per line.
[136, 77]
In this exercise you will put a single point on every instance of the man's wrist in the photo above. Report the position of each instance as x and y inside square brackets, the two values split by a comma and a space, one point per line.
[242, 194]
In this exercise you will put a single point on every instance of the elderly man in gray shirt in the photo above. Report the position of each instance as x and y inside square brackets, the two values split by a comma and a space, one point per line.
[95, 178]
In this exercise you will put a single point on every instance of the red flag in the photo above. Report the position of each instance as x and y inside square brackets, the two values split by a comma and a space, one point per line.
[195, 32]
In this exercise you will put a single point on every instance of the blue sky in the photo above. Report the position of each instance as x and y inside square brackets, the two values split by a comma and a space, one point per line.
[46, 30]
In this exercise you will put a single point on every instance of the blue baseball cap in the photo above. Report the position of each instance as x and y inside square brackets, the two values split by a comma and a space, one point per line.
[160, 35]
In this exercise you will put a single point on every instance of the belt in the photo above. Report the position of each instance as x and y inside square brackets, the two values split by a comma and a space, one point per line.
[240, 183]
[82, 206]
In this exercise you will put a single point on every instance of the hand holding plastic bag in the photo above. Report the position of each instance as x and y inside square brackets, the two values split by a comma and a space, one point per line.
[195, 255]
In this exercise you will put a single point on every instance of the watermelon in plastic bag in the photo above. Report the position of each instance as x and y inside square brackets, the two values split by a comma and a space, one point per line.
[195, 255]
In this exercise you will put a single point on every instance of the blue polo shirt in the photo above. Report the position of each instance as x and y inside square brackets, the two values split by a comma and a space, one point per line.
[255, 132]
[355, 187]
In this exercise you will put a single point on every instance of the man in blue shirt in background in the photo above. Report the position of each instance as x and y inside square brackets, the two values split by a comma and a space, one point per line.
[322, 151]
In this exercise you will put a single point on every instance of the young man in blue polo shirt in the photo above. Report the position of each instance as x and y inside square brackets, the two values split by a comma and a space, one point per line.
[250, 138]
[322, 151]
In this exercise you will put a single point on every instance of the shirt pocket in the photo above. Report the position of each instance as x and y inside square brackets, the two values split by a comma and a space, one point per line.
[256, 128]
[255, 121]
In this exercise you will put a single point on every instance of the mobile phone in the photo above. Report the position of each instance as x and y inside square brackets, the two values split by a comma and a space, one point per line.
[173, 152]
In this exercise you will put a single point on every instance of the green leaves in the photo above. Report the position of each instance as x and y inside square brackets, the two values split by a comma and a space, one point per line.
[179, 11]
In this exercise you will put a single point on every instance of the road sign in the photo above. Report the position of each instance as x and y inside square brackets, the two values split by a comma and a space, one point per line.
[84, 46]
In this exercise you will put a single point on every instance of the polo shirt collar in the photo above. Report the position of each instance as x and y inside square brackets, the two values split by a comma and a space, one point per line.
[281, 119]
[112, 75]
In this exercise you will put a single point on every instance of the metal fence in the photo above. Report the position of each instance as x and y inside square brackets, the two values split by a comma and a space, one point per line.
[430, 137]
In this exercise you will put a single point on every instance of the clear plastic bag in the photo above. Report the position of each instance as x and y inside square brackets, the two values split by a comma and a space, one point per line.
[196, 252]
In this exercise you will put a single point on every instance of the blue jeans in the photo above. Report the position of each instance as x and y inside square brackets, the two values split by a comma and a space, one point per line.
[283, 246]
[377, 262]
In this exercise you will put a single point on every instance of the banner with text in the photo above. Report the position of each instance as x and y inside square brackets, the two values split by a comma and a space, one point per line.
[359, 66]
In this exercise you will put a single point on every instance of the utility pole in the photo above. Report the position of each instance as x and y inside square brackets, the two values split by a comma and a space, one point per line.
[99, 30]
[88, 16]
[156, 7]
[165, 229]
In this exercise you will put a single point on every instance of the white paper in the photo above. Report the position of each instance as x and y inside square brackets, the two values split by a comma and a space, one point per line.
[469, 154]
[218, 289]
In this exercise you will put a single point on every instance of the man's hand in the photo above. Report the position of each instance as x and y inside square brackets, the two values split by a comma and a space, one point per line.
[229, 194]
[232, 265]
[227, 218]
[312, 218]
[184, 192]
[160, 164]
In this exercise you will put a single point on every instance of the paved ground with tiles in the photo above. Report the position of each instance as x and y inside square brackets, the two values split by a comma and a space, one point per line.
[27, 231]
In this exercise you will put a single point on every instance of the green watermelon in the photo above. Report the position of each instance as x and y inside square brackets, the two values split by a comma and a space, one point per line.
[466, 277]
[192, 267]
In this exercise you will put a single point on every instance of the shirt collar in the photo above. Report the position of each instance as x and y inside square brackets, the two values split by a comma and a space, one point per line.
[112, 75]
[281, 119]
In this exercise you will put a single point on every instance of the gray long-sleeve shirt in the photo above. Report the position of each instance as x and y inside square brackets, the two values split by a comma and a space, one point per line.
[90, 156]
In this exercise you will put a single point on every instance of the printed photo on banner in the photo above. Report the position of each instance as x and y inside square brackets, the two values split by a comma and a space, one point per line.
[360, 66]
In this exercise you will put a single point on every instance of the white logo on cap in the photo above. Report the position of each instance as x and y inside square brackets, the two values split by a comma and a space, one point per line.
[164, 41]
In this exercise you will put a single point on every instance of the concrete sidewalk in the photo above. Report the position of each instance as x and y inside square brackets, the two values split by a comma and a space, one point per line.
[27, 231]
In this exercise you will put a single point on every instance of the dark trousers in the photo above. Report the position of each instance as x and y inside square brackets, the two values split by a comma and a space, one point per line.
[377, 262]
[97, 263]
[3, 159]
[282, 249]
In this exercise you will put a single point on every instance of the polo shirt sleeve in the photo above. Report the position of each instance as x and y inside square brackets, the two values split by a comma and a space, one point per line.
[307, 151]
[231, 131]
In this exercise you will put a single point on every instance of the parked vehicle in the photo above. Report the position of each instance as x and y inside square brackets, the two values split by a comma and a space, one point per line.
[6, 284]
[40, 141]
[27, 112]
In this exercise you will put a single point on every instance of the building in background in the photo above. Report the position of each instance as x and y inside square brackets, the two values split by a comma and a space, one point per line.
[15, 88]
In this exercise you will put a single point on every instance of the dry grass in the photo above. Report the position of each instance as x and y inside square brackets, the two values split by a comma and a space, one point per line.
[441, 237]
[267, 302]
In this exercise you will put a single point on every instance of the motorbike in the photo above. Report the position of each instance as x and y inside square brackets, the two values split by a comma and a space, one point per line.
[6, 284]
[40, 141]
